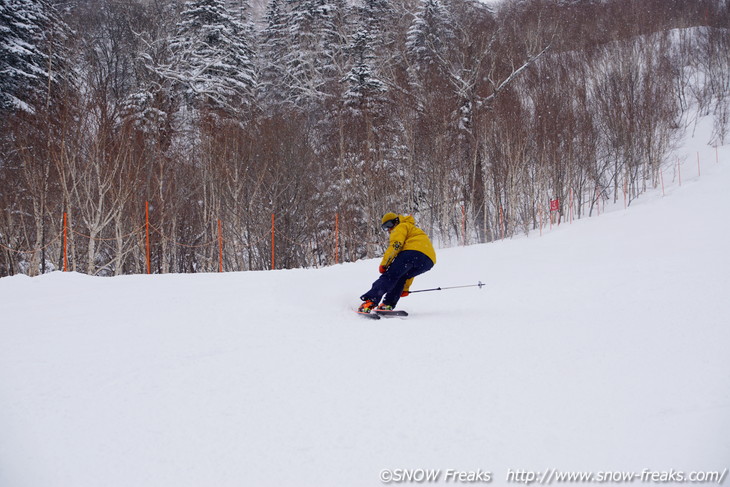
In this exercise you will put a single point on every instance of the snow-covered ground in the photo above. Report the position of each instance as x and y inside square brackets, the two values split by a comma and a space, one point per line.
[603, 345]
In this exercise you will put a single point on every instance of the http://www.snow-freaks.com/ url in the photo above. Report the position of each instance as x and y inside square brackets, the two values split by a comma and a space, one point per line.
[550, 476]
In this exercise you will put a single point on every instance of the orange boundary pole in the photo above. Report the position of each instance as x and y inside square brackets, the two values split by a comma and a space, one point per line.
[220, 246]
[273, 243]
[65, 242]
[147, 232]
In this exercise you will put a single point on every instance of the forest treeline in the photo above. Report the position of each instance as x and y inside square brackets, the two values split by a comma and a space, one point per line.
[209, 118]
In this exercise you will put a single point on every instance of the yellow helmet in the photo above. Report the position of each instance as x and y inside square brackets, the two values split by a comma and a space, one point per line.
[389, 221]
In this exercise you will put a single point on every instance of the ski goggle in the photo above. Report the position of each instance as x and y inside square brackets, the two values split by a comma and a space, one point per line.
[389, 224]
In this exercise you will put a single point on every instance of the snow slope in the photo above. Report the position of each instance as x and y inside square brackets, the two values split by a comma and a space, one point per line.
[600, 346]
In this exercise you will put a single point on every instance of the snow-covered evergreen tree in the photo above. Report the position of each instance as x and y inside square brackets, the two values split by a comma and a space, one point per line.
[364, 87]
[212, 56]
[30, 54]
[272, 49]
[377, 17]
[315, 42]
[335, 38]
[429, 35]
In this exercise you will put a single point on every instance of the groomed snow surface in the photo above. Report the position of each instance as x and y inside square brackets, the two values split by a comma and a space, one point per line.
[603, 345]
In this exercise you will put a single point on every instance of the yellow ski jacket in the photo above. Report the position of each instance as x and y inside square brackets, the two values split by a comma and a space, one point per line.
[407, 236]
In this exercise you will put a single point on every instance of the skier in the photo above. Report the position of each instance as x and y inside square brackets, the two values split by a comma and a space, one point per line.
[409, 254]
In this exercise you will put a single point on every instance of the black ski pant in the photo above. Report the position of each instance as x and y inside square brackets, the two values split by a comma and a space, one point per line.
[407, 264]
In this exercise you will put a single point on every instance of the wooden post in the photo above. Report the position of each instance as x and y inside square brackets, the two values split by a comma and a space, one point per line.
[463, 226]
[699, 172]
[570, 207]
[679, 171]
[661, 177]
[220, 246]
[273, 243]
[501, 222]
[550, 215]
[147, 235]
[65, 241]
[337, 238]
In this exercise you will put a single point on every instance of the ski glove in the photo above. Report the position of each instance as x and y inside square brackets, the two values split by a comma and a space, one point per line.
[382, 269]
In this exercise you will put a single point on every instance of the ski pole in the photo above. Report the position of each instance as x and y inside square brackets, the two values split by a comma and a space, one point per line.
[479, 285]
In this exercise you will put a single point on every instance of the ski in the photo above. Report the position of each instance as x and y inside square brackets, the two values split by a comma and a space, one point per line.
[391, 314]
[371, 315]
